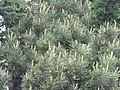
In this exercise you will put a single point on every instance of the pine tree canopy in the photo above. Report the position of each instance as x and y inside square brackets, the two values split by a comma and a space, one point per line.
[60, 44]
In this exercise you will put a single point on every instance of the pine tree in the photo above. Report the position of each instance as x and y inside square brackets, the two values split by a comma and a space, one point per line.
[12, 11]
[55, 50]
[105, 11]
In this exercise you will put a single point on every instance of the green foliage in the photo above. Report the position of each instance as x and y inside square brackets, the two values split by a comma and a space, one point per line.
[105, 11]
[54, 48]
[84, 66]
[3, 78]
[13, 11]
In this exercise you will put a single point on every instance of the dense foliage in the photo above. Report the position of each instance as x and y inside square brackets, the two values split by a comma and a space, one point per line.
[105, 10]
[13, 11]
[61, 45]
